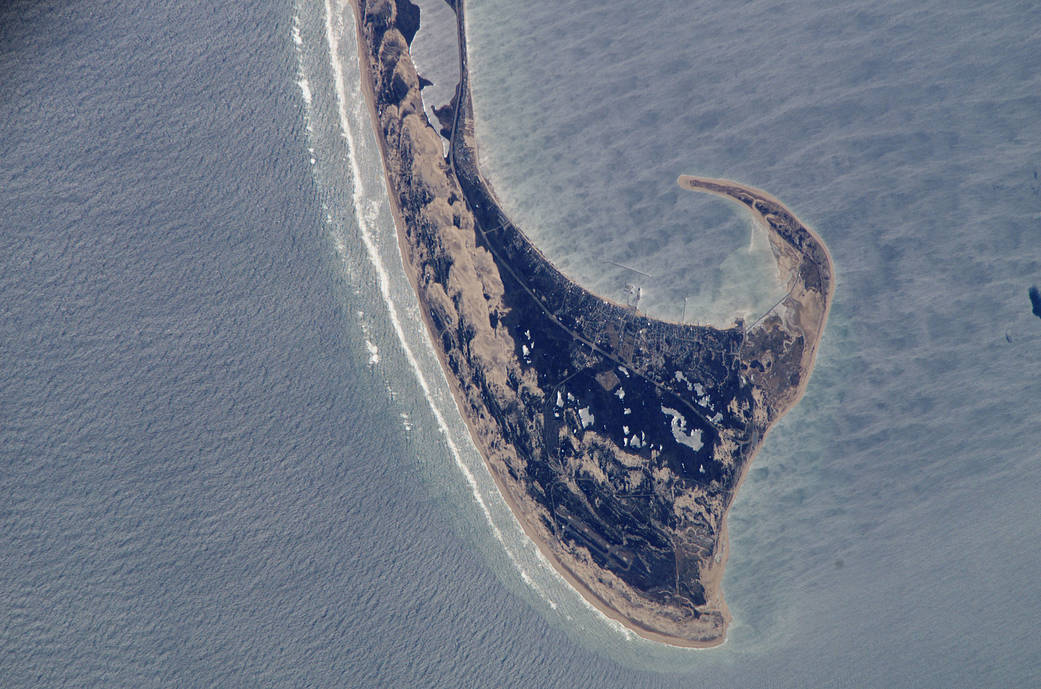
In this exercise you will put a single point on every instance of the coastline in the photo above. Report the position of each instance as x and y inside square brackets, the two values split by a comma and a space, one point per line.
[543, 548]
[689, 181]
[711, 576]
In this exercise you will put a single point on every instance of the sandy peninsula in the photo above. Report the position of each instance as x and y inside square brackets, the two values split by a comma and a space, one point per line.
[618, 441]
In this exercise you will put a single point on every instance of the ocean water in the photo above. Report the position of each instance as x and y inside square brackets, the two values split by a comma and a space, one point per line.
[891, 519]
[228, 455]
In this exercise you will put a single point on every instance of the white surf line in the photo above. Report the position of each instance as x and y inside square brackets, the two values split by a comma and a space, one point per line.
[365, 219]
[364, 224]
[297, 38]
[303, 83]
[383, 278]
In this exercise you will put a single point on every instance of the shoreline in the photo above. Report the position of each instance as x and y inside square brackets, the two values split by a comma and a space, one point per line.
[551, 559]
[691, 182]
[710, 577]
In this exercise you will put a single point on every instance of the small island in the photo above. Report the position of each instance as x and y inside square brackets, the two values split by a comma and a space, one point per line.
[619, 441]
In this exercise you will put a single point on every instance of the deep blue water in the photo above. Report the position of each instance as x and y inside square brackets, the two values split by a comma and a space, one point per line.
[227, 457]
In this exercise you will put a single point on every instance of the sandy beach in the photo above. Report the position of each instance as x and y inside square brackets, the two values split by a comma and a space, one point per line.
[711, 577]
[693, 183]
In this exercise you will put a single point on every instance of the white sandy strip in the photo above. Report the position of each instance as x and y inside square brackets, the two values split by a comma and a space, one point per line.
[383, 278]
